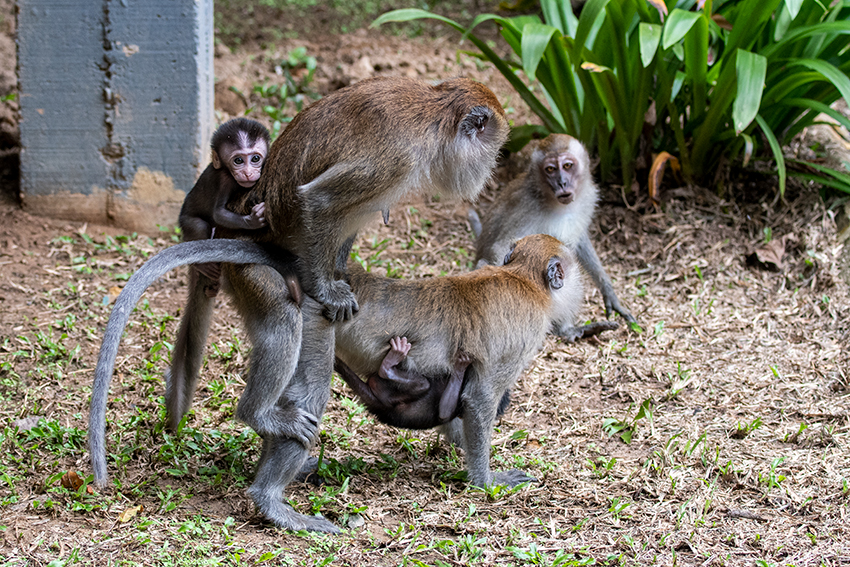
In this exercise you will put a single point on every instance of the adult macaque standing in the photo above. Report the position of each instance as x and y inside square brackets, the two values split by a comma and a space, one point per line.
[496, 316]
[285, 338]
[557, 196]
[239, 149]
[353, 153]
[403, 398]
[360, 150]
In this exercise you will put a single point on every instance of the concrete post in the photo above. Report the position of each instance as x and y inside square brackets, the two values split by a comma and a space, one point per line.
[116, 103]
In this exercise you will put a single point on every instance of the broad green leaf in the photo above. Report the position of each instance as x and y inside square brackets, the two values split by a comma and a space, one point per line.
[409, 14]
[822, 179]
[838, 175]
[650, 37]
[829, 71]
[807, 31]
[589, 14]
[793, 7]
[776, 149]
[818, 107]
[535, 38]
[751, 70]
[678, 81]
[678, 24]
[696, 65]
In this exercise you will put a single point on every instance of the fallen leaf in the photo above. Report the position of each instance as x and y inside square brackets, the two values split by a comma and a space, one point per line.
[656, 173]
[129, 513]
[771, 255]
[71, 480]
[114, 291]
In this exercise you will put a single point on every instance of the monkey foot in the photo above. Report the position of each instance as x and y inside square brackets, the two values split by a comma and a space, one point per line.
[212, 290]
[572, 334]
[284, 516]
[511, 478]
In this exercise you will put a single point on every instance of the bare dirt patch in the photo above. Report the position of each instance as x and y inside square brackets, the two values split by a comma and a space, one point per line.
[742, 459]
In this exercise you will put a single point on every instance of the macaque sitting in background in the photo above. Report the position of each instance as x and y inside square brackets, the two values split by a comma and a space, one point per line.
[239, 149]
[404, 398]
[556, 196]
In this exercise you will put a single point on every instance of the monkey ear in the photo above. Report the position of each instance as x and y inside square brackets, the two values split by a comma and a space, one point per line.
[508, 255]
[216, 161]
[555, 273]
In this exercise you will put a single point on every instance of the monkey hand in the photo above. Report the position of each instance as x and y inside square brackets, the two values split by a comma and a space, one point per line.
[257, 218]
[338, 300]
[463, 358]
[511, 478]
[399, 348]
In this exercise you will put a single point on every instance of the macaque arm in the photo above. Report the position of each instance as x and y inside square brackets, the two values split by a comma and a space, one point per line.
[406, 383]
[224, 217]
[590, 262]
[360, 388]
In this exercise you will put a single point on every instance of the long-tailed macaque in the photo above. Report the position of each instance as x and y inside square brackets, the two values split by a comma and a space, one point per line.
[360, 150]
[286, 338]
[556, 196]
[403, 398]
[239, 148]
[353, 153]
[497, 316]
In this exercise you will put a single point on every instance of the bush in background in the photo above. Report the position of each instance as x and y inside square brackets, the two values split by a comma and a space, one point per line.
[725, 80]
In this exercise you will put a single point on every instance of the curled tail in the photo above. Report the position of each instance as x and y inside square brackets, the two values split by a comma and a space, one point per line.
[194, 252]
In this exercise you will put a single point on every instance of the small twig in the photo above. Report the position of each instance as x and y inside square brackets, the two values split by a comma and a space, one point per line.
[737, 513]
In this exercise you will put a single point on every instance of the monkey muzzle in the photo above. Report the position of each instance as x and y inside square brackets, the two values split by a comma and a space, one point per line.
[565, 195]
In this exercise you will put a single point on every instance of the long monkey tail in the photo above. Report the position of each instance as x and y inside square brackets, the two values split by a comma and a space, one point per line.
[194, 252]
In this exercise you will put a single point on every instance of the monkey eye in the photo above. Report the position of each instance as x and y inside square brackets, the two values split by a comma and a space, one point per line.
[238, 161]
[550, 168]
[256, 158]
[568, 165]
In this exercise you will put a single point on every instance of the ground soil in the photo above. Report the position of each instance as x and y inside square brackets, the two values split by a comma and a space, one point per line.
[742, 459]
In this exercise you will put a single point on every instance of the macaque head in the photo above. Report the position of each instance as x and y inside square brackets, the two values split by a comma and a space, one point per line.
[562, 164]
[543, 251]
[241, 145]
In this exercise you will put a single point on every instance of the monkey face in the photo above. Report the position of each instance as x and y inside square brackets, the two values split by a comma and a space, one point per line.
[561, 171]
[244, 162]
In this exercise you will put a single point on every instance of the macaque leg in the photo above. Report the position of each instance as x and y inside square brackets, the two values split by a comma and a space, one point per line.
[188, 356]
[283, 457]
[480, 404]
[274, 325]
[360, 388]
[589, 260]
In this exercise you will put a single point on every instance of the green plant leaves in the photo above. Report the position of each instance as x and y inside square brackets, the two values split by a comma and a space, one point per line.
[751, 69]
[678, 24]
[535, 39]
[650, 37]
[707, 72]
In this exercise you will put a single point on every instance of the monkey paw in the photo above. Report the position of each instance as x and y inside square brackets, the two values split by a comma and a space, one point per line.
[340, 303]
[284, 516]
[572, 334]
[511, 478]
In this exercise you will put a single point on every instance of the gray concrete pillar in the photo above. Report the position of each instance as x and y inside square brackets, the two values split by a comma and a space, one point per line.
[116, 102]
